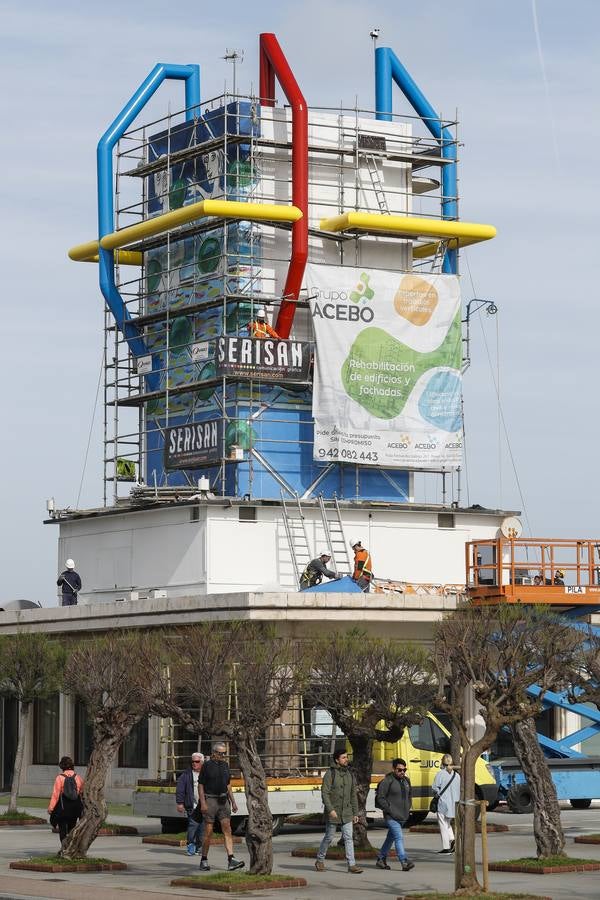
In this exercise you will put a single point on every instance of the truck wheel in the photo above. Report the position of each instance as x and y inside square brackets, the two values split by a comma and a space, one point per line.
[278, 823]
[416, 817]
[580, 804]
[519, 799]
[238, 825]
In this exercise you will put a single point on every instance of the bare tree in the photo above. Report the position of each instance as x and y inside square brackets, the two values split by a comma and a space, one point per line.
[31, 667]
[498, 652]
[373, 690]
[239, 678]
[112, 677]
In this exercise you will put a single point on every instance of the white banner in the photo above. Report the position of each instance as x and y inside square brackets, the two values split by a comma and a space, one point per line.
[387, 387]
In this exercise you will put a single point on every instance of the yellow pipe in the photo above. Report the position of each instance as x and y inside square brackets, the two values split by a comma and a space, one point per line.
[409, 226]
[229, 209]
[89, 253]
[431, 249]
[84, 252]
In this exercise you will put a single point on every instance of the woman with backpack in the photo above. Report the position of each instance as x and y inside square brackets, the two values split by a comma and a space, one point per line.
[65, 805]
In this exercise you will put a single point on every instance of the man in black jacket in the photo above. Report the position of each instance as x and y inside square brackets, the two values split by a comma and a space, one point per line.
[70, 584]
[394, 797]
[187, 798]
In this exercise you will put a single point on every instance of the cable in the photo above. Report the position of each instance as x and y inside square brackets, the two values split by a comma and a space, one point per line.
[89, 440]
[500, 410]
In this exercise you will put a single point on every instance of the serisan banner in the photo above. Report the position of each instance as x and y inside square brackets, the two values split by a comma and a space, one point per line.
[267, 359]
[387, 384]
[192, 445]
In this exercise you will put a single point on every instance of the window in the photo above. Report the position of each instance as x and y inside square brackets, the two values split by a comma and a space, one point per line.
[247, 514]
[83, 735]
[429, 736]
[195, 514]
[45, 731]
[445, 520]
[133, 752]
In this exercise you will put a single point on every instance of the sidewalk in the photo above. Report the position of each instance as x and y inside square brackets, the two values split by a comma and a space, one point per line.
[151, 868]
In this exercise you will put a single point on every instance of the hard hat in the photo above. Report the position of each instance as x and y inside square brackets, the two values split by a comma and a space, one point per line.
[325, 553]
[260, 313]
[354, 542]
[560, 573]
[70, 564]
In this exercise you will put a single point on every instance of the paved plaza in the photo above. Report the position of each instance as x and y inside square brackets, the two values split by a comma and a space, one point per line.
[151, 868]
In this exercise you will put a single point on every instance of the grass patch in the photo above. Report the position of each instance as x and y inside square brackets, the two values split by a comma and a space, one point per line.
[60, 861]
[533, 862]
[237, 877]
[239, 882]
[20, 814]
[434, 896]
[114, 809]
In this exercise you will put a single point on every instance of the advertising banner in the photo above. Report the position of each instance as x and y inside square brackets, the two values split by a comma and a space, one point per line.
[387, 387]
[193, 445]
[267, 360]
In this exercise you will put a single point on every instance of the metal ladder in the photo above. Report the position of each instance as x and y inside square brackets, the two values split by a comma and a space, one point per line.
[377, 183]
[297, 537]
[334, 535]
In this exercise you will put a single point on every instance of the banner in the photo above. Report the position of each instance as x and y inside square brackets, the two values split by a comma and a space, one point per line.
[387, 388]
[267, 360]
[193, 445]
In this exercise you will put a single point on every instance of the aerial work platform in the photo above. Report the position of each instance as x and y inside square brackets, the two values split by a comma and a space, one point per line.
[558, 573]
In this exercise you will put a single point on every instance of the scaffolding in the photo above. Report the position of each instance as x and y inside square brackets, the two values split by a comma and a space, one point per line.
[208, 277]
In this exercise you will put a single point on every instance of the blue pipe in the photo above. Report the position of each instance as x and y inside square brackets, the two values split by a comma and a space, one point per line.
[388, 68]
[104, 155]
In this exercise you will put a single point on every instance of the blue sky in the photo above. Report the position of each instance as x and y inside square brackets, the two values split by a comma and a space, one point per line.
[527, 166]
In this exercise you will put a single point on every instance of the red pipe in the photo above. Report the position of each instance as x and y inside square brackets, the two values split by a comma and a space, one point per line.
[273, 63]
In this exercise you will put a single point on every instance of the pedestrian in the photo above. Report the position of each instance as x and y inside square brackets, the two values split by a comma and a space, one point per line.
[187, 799]
[70, 582]
[315, 570]
[65, 806]
[394, 797]
[446, 791]
[217, 803]
[260, 328]
[363, 566]
[340, 801]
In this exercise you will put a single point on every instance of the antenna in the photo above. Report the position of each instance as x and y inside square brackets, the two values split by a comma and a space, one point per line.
[234, 56]
[374, 34]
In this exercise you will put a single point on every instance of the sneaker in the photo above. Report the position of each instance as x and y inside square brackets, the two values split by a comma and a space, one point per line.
[198, 851]
[235, 864]
[445, 851]
[381, 863]
[204, 866]
[407, 865]
[191, 850]
[356, 870]
[320, 865]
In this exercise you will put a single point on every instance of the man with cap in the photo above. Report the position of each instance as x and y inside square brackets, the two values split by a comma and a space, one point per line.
[70, 582]
[260, 328]
[313, 573]
[363, 566]
[187, 798]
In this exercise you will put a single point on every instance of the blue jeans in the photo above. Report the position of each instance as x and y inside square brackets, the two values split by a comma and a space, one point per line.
[195, 830]
[330, 834]
[394, 836]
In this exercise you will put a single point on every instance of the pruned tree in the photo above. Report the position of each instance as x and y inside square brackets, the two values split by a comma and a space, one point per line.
[31, 668]
[234, 681]
[497, 652]
[111, 675]
[373, 690]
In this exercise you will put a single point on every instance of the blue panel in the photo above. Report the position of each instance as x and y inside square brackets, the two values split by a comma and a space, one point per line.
[343, 585]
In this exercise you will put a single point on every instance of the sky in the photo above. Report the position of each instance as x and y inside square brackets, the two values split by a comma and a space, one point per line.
[523, 78]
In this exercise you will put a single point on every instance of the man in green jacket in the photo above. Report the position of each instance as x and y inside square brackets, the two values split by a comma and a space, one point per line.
[341, 808]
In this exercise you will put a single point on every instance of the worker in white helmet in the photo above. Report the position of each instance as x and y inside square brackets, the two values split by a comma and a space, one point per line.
[260, 328]
[363, 566]
[70, 582]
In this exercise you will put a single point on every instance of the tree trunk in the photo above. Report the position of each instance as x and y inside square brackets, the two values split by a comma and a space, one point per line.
[259, 831]
[78, 842]
[465, 870]
[362, 767]
[547, 828]
[23, 719]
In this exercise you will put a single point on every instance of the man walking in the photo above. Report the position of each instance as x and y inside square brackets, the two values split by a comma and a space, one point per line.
[315, 570]
[187, 799]
[394, 797]
[216, 804]
[341, 808]
[363, 566]
[70, 582]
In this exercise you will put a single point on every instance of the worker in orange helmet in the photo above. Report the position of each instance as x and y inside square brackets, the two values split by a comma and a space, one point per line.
[260, 328]
[363, 566]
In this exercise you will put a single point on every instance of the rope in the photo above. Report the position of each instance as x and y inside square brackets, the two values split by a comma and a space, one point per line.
[89, 440]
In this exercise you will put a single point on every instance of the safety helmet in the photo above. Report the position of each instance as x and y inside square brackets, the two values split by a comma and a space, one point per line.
[260, 313]
[560, 573]
[70, 564]
[354, 542]
[325, 553]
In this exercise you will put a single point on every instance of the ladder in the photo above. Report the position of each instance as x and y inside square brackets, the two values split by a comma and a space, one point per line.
[297, 537]
[334, 535]
[377, 183]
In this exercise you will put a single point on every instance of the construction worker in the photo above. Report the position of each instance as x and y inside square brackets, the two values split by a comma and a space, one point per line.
[559, 577]
[363, 567]
[313, 573]
[260, 328]
[70, 582]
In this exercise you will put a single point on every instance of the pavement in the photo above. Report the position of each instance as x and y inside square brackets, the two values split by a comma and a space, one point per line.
[151, 868]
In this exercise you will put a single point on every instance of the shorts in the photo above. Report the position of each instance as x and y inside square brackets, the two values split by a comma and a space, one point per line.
[217, 809]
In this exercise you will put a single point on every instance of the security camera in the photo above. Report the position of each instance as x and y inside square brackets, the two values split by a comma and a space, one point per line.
[374, 33]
